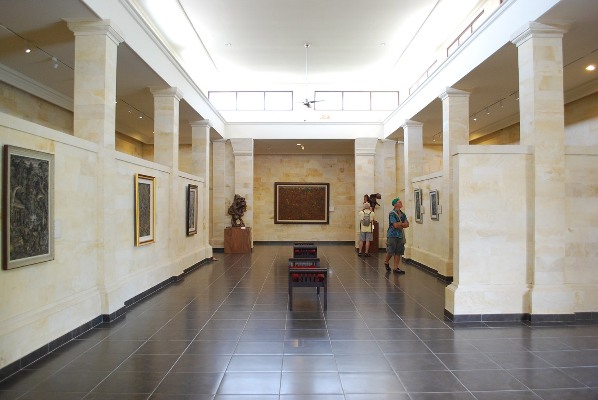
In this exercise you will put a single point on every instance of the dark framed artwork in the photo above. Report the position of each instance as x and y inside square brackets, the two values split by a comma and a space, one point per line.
[192, 193]
[434, 214]
[28, 207]
[301, 203]
[145, 209]
[417, 199]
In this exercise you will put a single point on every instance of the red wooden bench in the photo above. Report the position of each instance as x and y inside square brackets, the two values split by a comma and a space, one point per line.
[306, 272]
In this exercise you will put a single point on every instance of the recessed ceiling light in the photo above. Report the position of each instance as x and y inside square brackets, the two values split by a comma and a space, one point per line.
[228, 44]
[591, 67]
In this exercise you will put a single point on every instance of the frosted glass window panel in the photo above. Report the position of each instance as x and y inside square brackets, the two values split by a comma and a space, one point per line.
[223, 100]
[279, 101]
[356, 101]
[250, 101]
[329, 101]
[385, 101]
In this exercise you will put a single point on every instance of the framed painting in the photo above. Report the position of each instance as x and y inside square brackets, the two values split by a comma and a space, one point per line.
[434, 214]
[145, 209]
[192, 193]
[301, 203]
[417, 199]
[28, 207]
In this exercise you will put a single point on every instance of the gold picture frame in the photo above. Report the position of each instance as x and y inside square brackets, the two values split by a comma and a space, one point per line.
[192, 209]
[145, 209]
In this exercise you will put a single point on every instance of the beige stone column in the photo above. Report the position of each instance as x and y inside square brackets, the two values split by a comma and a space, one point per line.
[243, 153]
[200, 158]
[541, 106]
[96, 43]
[388, 185]
[455, 128]
[166, 126]
[365, 155]
[220, 171]
[94, 109]
[414, 167]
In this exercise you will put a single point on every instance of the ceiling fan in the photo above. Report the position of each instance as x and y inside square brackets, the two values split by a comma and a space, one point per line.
[307, 103]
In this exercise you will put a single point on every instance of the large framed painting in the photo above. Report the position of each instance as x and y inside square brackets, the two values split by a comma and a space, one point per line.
[434, 214]
[301, 203]
[417, 199]
[145, 209]
[28, 207]
[192, 202]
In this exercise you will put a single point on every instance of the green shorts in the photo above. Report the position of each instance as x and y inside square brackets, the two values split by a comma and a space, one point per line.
[395, 246]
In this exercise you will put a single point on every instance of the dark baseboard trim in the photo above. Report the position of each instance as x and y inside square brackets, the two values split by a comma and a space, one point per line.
[431, 271]
[581, 317]
[217, 249]
[43, 351]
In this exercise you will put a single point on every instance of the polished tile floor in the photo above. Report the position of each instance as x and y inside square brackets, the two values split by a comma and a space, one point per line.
[225, 333]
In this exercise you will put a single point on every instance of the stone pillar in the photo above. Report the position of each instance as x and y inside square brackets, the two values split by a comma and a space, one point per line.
[455, 128]
[166, 126]
[200, 159]
[243, 153]
[414, 167]
[387, 186]
[220, 195]
[365, 154]
[94, 108]
[541, 106]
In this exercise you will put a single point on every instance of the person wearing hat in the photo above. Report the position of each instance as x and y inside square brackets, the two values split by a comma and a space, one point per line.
[395, 236]
[366, 229]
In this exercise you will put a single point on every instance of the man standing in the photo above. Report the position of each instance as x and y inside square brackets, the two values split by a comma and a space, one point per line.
[366, 229]
[395, 236]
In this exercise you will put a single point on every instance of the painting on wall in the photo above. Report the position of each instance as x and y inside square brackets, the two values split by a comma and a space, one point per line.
[192, 193]
[434, 214]
[145, 209]
[28, 207]
[417, 198]
[301, 203]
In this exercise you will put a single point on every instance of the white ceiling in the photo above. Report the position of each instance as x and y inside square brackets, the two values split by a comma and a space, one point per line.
[266, 40]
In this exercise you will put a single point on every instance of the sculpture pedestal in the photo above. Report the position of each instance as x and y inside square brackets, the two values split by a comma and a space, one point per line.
[237, 240]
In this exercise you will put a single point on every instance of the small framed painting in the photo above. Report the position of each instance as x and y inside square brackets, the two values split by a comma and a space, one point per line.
[417, 198]
[434, 214]
[145, 209]
[28, 207]
[192, 192]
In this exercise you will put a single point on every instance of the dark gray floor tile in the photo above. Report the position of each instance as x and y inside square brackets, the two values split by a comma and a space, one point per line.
[362, 363]
[307, 347]
[586, 375]
[467, 361]
[255, 363]
[565, 358]
[415, 362]
[561, 394]
[402, 346]
[71, 380]
[370, 383]
[130, 382]
[310, 383]
[451, 346]
[523, 359]
[202, 363]
[260, 347]
[190, 383]
[309, 363]
[443, 396]
[507, 395]
[375, 396]
[250, 383]
[211, 347]
[148, 363]
[430, 381]
[545, 378]
[486, 380]
[355, 347]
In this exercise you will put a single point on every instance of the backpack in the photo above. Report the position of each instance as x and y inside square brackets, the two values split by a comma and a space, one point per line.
[366, 219]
